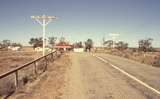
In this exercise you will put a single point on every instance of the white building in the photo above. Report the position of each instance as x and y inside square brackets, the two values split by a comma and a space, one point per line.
[78, 49]
[16, 48]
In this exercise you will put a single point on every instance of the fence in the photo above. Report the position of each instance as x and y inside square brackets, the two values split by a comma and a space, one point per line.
[18, 74]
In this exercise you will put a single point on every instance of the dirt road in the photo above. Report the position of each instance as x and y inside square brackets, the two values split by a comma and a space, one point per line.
[90, 78]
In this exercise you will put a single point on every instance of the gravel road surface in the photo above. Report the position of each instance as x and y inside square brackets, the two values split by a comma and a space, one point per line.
[90, 78]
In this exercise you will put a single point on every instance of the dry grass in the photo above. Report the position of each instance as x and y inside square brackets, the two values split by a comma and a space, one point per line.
[48, 85]
[7, 84]
[151, 58]
[25, 75]
[12, 59]
[7, 87]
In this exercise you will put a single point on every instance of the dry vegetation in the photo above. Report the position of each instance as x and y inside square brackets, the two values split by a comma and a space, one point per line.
[12, 59]
[49, 85]
[151, 58]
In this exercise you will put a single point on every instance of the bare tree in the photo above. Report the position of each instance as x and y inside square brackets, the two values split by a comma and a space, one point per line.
[78, 45]
[108, 43]
[121, 45]
[145, 45]
[62, 39]
[52, 40]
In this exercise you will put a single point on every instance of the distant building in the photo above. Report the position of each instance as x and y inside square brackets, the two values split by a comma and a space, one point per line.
[63, 46]
[78, 49]
[14, 48]
[40, 49]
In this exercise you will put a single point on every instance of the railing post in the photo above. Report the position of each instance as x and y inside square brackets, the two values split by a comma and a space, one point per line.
[56, 53]
[35, 68]
[52, 57]
[16, 78]
[46, 63]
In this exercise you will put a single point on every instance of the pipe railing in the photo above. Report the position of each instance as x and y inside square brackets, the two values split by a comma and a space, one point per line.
[34, 62]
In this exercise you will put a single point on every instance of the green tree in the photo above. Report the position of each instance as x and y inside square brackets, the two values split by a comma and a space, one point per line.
[1, 46]
[88, 44]
[36, 42]
[16, 44]
[6, 43]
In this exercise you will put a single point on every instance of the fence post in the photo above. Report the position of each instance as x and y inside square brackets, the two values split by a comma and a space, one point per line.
[35, 68]
[52, 56]
[56, 53]
[46, 63]
[16, 78]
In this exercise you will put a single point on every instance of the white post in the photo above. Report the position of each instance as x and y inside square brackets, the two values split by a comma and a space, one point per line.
[44, 25]
[43, 21]
[114, 41]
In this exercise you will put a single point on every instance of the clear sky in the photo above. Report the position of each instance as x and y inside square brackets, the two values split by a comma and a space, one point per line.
[82, 19]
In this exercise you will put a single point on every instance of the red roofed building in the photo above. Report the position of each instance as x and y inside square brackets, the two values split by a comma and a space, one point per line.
[157, 49]
[63, 46]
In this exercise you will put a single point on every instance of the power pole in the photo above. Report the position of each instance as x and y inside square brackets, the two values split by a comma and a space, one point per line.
[44, 21]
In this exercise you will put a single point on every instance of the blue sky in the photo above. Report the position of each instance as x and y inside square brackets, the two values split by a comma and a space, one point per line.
[82, 19]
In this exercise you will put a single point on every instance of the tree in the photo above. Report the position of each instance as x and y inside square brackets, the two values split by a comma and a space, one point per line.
[88, 44]
[108, 43]
[145, 45]
[52, 40]
[62, 39]
[16, 44]
[1, 45]
[78, 45]
[121, 45]
[6, 43]
[36, 42]
[103, 40]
